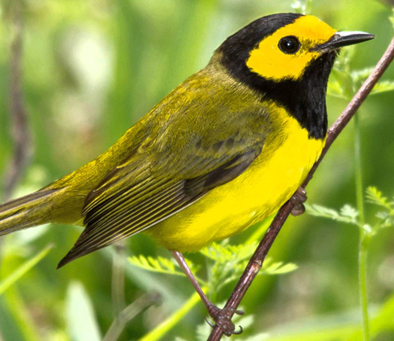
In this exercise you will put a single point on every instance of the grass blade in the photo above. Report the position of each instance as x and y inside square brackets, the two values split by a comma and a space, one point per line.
[25, 267]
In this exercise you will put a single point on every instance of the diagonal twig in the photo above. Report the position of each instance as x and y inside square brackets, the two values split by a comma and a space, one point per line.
[258, 257]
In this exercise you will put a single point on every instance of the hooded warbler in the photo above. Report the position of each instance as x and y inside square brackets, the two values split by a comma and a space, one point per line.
[222, 151]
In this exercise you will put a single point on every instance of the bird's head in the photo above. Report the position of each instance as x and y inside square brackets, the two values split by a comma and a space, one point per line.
[287, 58]
[283, 46]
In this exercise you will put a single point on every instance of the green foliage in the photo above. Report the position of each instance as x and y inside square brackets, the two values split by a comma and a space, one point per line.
[229, 261]
[385, 217]
[227, 264]
[349, 215]
[277, 268]
[92, 68]
[160, 265]
[374, 196]
[382, 86]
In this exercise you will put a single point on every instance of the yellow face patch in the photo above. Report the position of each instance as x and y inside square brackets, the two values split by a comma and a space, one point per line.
[270, 62]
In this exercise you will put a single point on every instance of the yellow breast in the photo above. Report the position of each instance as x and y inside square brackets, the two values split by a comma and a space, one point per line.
[283, 164]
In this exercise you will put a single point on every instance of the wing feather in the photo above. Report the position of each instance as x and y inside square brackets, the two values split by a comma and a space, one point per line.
[170, 170]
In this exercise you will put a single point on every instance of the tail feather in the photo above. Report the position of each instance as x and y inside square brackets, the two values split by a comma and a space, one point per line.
[25, 212]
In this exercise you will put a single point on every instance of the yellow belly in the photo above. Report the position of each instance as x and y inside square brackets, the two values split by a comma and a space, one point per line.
[267, 184]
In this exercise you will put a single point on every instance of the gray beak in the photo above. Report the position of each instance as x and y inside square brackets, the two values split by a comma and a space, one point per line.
[341, 39]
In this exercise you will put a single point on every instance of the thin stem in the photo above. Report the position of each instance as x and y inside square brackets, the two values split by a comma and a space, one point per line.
[258, 257]
[363, 243]
[362, 273]
[358, 169]
[127, 314]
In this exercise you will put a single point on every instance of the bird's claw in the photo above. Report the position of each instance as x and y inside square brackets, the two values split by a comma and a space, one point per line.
[298, 199]
[222, 318]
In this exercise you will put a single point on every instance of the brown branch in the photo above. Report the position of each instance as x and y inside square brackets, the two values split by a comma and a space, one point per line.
[258, 257]
[18, 114]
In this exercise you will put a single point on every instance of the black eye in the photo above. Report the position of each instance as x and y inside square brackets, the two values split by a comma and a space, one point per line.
[289, 45]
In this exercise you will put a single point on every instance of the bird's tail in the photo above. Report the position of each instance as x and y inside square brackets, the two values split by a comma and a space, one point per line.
[28, 211]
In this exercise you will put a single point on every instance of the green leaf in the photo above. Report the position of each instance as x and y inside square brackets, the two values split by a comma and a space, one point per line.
[227, 273]
[335, 89]
[347, 213]
[224, 253]
[374, 196]
[342, 82]
[342, 63]
[361, 75]
[382, 86]
[382, 215]
[229, 262]
[384, 318]
[386, 219]
[277, 268]
[81, 320]
[160, 265]
[25, 267]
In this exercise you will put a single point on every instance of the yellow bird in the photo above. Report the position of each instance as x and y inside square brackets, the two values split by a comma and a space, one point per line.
[221, 152]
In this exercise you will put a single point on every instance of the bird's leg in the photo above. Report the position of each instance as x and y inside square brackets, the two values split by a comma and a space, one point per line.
[298, 199]
[222, 317]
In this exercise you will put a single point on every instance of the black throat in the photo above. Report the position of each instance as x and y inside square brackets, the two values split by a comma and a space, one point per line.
[304, 99]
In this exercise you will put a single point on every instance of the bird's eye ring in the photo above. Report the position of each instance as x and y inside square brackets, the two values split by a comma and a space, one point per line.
[289, 45]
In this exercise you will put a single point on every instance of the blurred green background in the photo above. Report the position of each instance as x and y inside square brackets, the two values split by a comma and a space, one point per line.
[91, 69]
